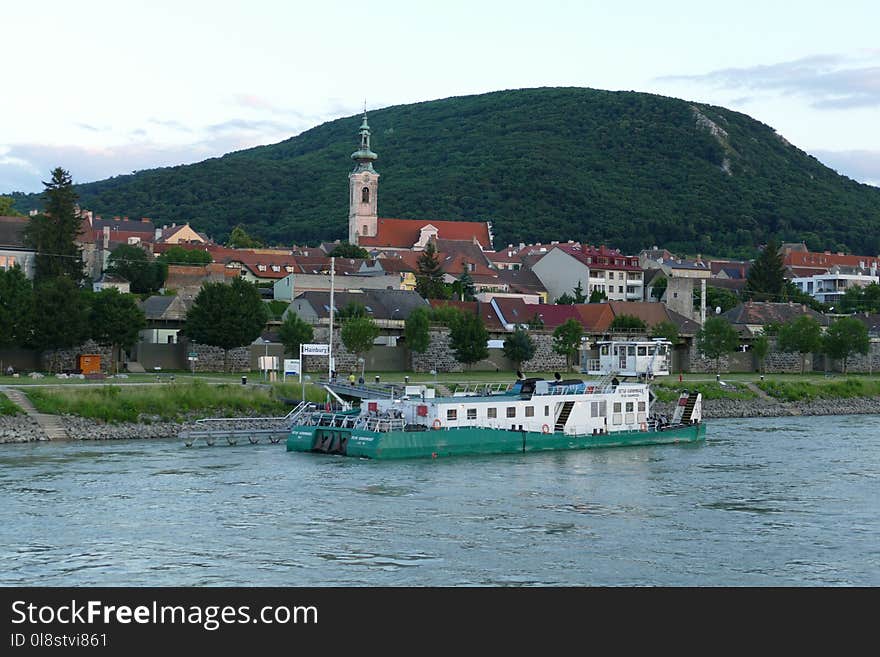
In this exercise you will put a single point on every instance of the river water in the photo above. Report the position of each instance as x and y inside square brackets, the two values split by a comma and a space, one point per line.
[769, 502]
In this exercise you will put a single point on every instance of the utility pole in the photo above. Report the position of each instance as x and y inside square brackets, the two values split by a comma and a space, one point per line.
[330, 339]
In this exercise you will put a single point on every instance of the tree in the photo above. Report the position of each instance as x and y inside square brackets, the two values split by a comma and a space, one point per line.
[61, 316]
[429, 279]
[627, 323]
[766, 278]
[760, 348]
[578, 293]
[519, 347]
[351, 310]
[6, 209]
[565, 300]
[861, 299]
[716, 339]
[116, 320]
[16, 308]
[469, 339]
[446, 315]
[802, 335]
[53, 233]
[567, 340]
[659, 287]
[598, 296]
[239, 239]
[716, 297]
[346, 250]
[177, 255]
[666, 330]
[536, 322]
[464, 286]
[415, 331]
[226, 316]
[845, 338]
[135, 265]
[294, 332]
[358, 335]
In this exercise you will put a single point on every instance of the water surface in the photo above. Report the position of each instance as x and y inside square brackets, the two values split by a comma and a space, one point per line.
[781, 502]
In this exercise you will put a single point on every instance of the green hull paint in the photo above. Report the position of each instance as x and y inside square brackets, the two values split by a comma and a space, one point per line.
[469, 441]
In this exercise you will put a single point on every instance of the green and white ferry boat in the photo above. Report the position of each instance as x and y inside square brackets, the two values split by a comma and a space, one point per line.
[532, 415]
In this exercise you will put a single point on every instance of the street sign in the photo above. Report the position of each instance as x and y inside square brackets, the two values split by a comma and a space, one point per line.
[192, 355]
[315, 349]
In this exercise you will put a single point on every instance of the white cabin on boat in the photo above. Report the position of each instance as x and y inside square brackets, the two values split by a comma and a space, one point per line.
[632, 358]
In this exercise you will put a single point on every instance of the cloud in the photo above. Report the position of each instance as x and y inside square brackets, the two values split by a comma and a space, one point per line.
[24, 166]
[831, 81]
[861, 165]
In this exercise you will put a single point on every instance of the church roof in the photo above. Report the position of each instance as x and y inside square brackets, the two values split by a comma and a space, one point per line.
[404, 233]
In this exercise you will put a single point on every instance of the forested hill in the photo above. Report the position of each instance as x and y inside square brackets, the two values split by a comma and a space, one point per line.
[622, 168]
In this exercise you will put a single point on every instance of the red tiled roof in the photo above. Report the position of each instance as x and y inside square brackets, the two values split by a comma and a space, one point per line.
[602, 258]
[404, 233]
[826, 260]
[596, 317]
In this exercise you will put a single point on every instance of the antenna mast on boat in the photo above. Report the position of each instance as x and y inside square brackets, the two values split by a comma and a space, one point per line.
[330, 339]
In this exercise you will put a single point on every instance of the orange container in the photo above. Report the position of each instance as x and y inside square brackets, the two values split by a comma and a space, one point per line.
[89, 363]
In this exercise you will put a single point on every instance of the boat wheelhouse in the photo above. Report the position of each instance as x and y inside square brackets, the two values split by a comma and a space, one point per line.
[643, 358]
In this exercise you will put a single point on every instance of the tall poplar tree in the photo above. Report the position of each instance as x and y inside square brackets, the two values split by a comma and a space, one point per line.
[53, 233]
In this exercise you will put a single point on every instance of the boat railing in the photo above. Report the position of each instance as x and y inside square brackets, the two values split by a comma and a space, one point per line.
[377, 423]
[290, 418]
[480, 389]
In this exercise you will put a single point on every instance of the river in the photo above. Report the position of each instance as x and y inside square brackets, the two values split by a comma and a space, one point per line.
[764, 502]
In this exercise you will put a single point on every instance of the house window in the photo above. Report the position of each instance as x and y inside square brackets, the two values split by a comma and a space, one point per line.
[491, 413]
[451, 414]
[364, 231]
[261, 267]
[472, 414]
[530, 411]
[511, 411]
[276, 268]
[288, 268]
[365, 195]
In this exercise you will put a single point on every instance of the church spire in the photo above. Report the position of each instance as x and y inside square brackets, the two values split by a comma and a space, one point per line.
[364, 156]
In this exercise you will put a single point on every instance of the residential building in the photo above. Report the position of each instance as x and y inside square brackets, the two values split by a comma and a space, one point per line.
[830, 286]
[750, 318]
[14, 250]
[389, 308]
[618, 276]
[112, 281]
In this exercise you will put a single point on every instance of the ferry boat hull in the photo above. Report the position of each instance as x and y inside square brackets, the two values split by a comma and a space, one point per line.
[464, 441]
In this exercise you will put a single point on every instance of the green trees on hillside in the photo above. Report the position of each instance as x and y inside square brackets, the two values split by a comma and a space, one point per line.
[621, 168]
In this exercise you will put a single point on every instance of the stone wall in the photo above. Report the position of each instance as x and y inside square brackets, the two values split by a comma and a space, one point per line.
[210, 359]
[66, 359]
[776, 362]
[864, 363]
[440, 357]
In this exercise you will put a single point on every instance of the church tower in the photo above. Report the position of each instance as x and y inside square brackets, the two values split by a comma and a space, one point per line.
[363, 185]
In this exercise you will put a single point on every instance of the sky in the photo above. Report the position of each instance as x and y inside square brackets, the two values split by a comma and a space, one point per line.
[103, 88]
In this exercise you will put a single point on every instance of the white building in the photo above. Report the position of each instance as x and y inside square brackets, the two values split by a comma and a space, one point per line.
[830, 287]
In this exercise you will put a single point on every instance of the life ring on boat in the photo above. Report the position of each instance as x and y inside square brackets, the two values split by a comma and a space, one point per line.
[643, 426]
[437, 424]
[545, 428]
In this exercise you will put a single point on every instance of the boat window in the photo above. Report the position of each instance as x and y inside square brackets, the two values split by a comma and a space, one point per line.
[629, 407]
[451, 414]
[617, 407]
[530, 411]
[641, 407]
[511, 411]
[491, 413]
[472, 414]
[631, 350]
[546, 411]
[598, 409]
[604, 350]
[643, 351]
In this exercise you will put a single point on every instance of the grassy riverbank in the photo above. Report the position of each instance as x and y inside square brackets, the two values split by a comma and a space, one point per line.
[7, 407]
[807, 391]
[171, 402]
